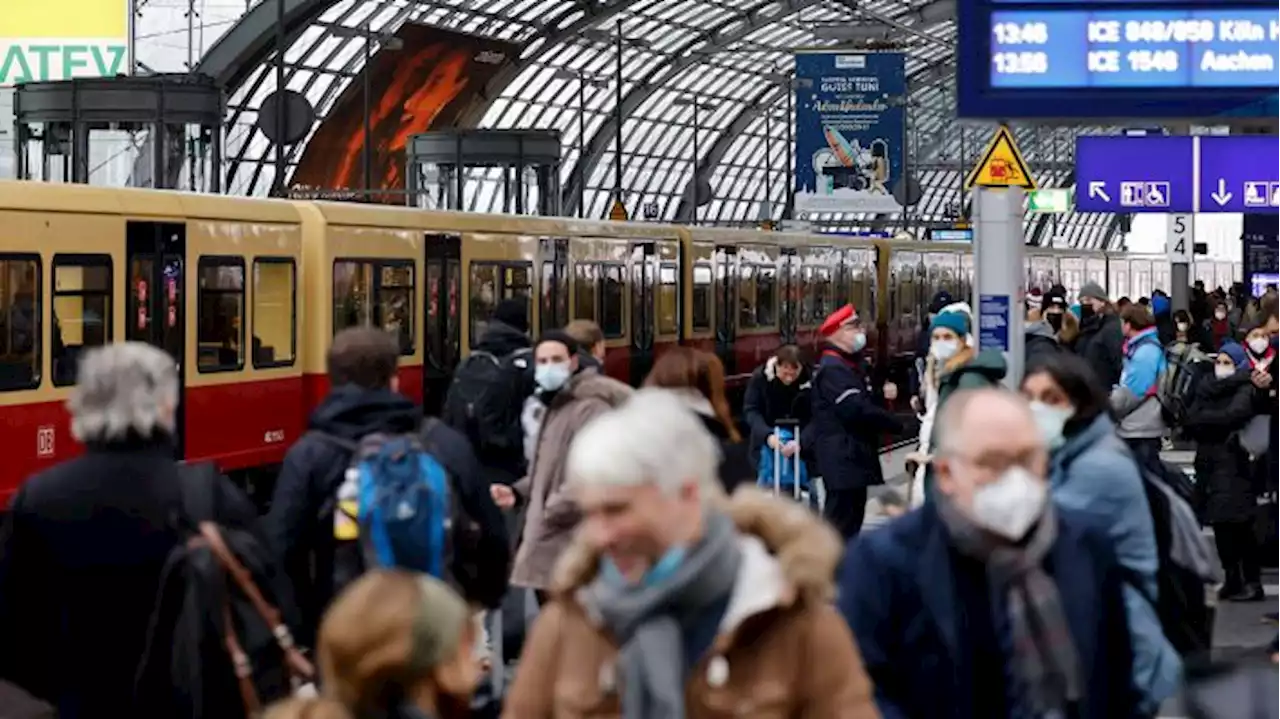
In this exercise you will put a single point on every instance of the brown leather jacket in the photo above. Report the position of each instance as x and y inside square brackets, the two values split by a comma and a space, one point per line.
[788, 652]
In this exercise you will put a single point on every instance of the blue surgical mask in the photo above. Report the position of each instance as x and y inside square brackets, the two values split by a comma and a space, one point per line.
[666, 565]
[553, 376]
[1050, 420]
[859, 341]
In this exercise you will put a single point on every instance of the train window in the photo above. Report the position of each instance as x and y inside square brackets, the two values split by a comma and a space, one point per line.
[612, 289]
[492, 282]
[702, 297]
[274, 312]
[220, 306]
[747, 296]
[19, 322]
[818, 297]
[766, 295]
[375, 293]
[668, 299]
[81, 311]
[584, 291]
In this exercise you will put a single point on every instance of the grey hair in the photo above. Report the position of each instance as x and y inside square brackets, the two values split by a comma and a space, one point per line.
[952, 416]
[124, 389]
[653, 438]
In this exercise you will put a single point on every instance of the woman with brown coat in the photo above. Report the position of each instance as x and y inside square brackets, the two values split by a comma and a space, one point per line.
[674, 602]
[573, 395]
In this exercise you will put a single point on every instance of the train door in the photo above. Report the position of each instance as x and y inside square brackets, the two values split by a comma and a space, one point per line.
[156, 255]
[726, 264]
[789, 269]
[443, 318]
[644, 277]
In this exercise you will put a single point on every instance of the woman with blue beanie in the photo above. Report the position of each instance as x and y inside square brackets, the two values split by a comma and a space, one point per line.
[1223, 406]
[954, 363]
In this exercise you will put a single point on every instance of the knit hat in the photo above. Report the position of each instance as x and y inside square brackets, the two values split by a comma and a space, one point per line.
[1035, 299]
[513, 312]
[1056, 297]
[1093, 290]
[1236, 353]
[953, 320]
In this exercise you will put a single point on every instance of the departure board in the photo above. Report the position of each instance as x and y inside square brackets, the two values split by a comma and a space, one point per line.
[1135, 48]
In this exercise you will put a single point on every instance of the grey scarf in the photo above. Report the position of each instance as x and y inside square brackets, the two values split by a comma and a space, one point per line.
[649, 620]
[1044, 655]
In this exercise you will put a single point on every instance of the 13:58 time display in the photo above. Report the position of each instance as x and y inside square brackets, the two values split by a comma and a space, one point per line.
[1021, 63]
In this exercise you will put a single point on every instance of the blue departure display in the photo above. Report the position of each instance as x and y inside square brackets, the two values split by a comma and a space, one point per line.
[1134, 48]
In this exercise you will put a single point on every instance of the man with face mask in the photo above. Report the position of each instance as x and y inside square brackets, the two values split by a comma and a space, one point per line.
[572, 396]
[1100, 339]
[848, 421]
[1022, 604]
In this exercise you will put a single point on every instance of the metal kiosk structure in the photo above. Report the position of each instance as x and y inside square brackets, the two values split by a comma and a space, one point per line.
[447, 169]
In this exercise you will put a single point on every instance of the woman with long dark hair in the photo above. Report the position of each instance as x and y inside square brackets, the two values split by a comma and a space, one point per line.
[1091, 470]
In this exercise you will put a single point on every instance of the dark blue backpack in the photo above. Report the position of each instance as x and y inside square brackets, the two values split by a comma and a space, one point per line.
[397, 505]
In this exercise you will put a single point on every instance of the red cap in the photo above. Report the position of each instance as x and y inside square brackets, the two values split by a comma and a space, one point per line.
[836, 319]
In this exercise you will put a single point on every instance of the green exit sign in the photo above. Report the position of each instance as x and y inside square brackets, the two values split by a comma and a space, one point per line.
[1049, 200]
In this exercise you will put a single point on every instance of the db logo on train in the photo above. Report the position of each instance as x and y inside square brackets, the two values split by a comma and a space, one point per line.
[44, 441]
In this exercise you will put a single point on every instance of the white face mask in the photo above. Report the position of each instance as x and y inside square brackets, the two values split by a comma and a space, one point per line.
[1050, 420]
[1183, 326]
[551, 377]
[1222, 371]
[1258, 345]
[1011, 504]
[943, 350]
[1220, 315]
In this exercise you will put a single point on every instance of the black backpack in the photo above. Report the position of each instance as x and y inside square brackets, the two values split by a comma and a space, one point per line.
[1185, 367]
[484, 401]
[1185, 562]
[217, 645]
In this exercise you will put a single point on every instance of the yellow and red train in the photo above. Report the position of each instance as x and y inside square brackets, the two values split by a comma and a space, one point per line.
[246, 293]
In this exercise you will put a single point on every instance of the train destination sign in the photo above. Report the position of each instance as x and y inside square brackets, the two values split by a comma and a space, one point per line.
[1117, 173]
[1157, 48]
[1116, 60]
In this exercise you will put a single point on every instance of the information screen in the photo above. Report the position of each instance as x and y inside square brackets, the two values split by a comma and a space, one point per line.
[1134, 48]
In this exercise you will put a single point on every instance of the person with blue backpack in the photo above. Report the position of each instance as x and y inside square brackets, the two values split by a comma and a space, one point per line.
[1135, 399]
[371, 484]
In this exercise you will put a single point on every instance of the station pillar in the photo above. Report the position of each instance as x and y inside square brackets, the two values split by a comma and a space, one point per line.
[999, 259]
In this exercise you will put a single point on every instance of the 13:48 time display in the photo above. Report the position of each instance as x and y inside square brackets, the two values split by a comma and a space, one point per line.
[1021, 63]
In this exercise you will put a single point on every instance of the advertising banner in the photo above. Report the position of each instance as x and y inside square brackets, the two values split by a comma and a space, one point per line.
[427, 84]
[74, 38]
[850, 126]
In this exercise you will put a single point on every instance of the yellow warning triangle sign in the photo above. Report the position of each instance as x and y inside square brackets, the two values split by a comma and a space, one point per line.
[1002, 165]
[618, 212]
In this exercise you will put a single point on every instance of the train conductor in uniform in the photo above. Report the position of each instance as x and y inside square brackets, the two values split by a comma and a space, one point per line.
[848, 420]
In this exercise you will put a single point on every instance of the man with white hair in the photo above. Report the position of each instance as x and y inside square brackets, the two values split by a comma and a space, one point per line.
[988, 602]
[84, 543]
[648, 601]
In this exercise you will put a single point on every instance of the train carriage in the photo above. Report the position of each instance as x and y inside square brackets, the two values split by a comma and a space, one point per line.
[247, 295]
[210, 279]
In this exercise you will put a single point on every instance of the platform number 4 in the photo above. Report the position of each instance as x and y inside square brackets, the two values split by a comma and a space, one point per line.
[44, 442]
[1181, 238]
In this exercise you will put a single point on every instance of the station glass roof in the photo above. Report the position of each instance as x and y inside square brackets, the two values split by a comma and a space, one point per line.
[732, 58]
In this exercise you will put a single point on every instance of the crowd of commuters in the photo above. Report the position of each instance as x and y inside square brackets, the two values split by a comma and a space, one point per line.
[1028, 579]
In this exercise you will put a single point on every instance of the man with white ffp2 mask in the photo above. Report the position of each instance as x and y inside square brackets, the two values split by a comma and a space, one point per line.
[1023, 599]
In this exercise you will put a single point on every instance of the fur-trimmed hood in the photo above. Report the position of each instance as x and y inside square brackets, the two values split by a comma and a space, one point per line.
[804, 381]
[789, 554]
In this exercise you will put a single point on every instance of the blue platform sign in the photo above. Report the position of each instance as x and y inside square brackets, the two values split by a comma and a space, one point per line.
[849, 132]
[1112, 59]
[993, 322]
[1116, 174]
[1239, 174]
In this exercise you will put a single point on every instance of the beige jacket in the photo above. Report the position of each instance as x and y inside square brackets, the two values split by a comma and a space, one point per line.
[551, 514]
[782, 650]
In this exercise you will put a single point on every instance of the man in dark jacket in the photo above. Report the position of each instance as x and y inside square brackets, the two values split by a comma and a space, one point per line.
[364, 400]
[989, 602]
[1041, 338]
[848, 421]
[505, 338]
[777, 392]
[1101, 337]
[84, 543]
